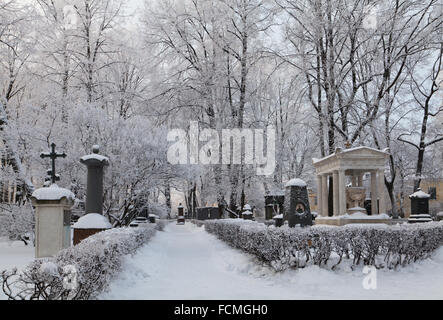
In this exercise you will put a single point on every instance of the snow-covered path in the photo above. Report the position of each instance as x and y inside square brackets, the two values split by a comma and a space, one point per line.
[186, 263]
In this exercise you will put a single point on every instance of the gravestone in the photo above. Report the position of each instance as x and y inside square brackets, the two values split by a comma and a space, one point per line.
[152, 218]
[278, 220]
[180, 214]
[89, 225]
[202, 213]
[248, 215]
[419, 207]
[214, 213]
[53, 220]
[297, 209]
[95, 164]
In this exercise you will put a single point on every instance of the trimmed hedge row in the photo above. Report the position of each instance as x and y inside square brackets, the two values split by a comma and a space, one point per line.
[80, 272]
[376, 245]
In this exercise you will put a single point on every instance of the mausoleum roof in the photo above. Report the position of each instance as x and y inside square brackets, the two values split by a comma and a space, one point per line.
[358, 159]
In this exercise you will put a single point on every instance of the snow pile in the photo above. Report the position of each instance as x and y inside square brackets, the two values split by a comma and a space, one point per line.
[296, 183]
[79, 272]
[54, 192]
[376, 245]
[364, 216]
[93, 221]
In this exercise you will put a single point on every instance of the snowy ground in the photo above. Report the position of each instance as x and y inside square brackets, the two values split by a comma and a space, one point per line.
[185, 262]
[14, 255]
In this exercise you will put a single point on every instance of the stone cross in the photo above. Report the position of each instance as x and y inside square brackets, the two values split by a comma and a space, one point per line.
[53, 155]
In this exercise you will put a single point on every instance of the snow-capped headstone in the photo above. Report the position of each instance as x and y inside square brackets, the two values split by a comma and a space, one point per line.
[89, 225]
[419, 202]
[53, 220]
[152, 218]
[93, 221]
[297, 209]
[278, 220]
[419, 207]
[248, 215]
[180, 214]
[94, 190]
[95, 164]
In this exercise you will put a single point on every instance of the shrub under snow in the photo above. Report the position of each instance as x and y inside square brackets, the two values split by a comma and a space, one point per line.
[377, 245]
[79, 272]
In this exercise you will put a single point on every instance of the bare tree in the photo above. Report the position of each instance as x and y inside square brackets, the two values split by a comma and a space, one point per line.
[424, 91]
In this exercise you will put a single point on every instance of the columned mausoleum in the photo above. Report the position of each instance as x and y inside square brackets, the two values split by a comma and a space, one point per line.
[347, 168]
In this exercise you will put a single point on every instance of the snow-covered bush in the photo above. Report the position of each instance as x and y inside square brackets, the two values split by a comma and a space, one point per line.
[17, 223]
[377, 245]
[198, 223]
[79, 272]
[160, 210]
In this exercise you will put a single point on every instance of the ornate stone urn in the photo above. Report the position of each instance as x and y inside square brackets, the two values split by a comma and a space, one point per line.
[355, 197]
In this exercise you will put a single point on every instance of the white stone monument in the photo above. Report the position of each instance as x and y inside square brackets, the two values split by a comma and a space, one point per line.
[53, 220]
[352, 163]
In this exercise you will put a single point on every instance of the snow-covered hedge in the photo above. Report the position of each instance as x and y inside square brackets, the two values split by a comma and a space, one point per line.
[377, 245]
[79, 272]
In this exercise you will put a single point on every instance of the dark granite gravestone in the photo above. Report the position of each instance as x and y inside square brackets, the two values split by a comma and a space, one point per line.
[202, 213]
[180, 210]
[420, 207]
[94, 190]
[278, 220]
[297, 209]
[368, 206]
[180, 214]
[420, 202]
[95, 164]
[214, 213]
[248, 215]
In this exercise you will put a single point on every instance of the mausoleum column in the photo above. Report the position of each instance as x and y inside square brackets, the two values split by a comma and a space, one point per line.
[336, 192]
[342, 192]
[320, 195]
[374, 193]
[325, 195]
[360, 180]
[381, 191]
